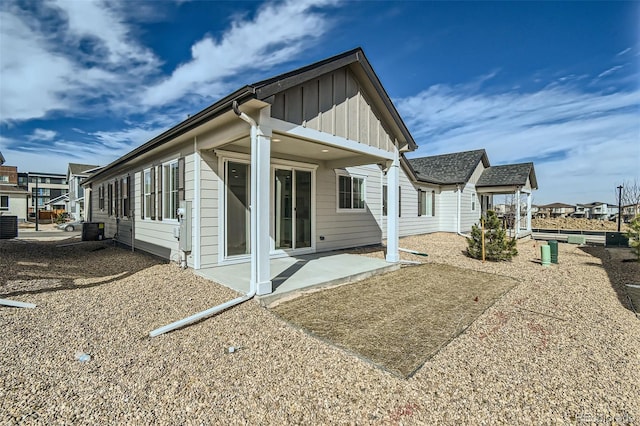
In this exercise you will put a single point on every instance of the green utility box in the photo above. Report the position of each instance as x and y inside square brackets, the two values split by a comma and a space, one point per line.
[616, 239]
[553, 247]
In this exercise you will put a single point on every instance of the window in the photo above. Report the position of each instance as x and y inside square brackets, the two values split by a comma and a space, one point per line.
[426, 203]
[4, 202]
[4, 178]
[101, 197]
[350, 192]
[384, 200]
[147, 191]
[110, 199]
[385, 195]
[473, 202]
[124, 194]
[170, 190]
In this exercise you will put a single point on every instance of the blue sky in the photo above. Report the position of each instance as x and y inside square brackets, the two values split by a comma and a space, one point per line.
[556, 83]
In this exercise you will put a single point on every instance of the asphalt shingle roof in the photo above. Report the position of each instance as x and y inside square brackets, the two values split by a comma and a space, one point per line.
[447, 169]
[508, 175]
[79, 169]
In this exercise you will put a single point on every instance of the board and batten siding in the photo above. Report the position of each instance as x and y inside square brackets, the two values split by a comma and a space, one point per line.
[334, 103]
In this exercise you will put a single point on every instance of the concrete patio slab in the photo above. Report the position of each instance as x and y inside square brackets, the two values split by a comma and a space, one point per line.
[293, 275]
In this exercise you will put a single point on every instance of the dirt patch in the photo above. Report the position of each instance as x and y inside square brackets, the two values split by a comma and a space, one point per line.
[401, 319]
[577, 223]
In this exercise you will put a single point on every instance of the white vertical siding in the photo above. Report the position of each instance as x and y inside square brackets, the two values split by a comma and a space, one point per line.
[334, 103]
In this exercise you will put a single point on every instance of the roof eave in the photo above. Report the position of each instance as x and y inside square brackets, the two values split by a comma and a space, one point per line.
[242, 95]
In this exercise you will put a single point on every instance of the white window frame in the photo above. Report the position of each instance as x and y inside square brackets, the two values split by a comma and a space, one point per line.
[168, 191]
[4, 209]
[352, 176]
[4, 178]
[146, 207]
[426, 203]
[473, 202]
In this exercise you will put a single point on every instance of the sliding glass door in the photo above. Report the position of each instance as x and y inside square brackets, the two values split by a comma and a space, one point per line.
[238, 217]
[292, 212]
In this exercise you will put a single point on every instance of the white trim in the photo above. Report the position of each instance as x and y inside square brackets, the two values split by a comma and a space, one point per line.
[226, 156]
[197, 174]
[222, 167]
[351, 210]
[298, 131]
[165, 193]
[145, 213]
[293, 166]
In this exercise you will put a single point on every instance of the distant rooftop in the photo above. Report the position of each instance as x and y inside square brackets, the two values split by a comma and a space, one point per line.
[448, 169]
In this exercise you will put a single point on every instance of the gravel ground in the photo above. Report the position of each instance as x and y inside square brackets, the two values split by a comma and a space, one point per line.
[561, 347]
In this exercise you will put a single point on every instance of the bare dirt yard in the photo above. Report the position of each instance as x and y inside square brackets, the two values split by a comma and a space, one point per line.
[400, 319]
[578, 223]
[561, 347]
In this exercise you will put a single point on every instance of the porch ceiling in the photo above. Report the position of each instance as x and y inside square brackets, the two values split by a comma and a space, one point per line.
[287, 147]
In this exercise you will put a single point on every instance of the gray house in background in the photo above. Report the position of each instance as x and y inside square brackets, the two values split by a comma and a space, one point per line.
[76, 174]
[466, 184]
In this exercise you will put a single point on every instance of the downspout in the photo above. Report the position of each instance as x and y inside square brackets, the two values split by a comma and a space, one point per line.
[252, 286]
[459, 212]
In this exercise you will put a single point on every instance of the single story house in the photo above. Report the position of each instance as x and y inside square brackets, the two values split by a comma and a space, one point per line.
[308, 161]
[466, 184]
[263, 172]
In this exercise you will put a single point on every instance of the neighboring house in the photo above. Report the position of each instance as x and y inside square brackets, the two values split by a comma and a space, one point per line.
[466, 184]
[76, 174]
[555, 210]
[595, 210]
[13, 199]
[630, 211]
[49, 186]
[305, 162]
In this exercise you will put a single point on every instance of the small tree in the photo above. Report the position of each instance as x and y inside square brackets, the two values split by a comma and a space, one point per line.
[497, 245]
[634, 236]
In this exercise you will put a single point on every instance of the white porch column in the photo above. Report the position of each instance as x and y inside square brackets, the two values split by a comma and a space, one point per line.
[260, 188]
[393, 224]
[529, 212]
[517, 225]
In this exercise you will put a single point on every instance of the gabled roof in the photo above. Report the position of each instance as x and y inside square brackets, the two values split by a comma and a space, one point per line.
[557, 206]
[591, 205]
[264, 90]
[448, 169]
[508, 175]
[63, 197]
[80, 169]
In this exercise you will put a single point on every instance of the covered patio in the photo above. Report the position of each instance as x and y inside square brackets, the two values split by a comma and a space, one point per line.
[516, 180]
[293, 274]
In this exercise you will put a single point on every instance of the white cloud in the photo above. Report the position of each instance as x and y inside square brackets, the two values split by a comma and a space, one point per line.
[96, 20]
[584, 142]
[42, 135]
[60, 57]
[276, 33]
[609, 71]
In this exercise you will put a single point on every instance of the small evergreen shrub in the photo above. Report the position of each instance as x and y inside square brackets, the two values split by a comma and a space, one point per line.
[497, 245]
[634, 236]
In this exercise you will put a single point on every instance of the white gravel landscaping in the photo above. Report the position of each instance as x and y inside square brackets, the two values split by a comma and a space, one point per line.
[562, 347]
